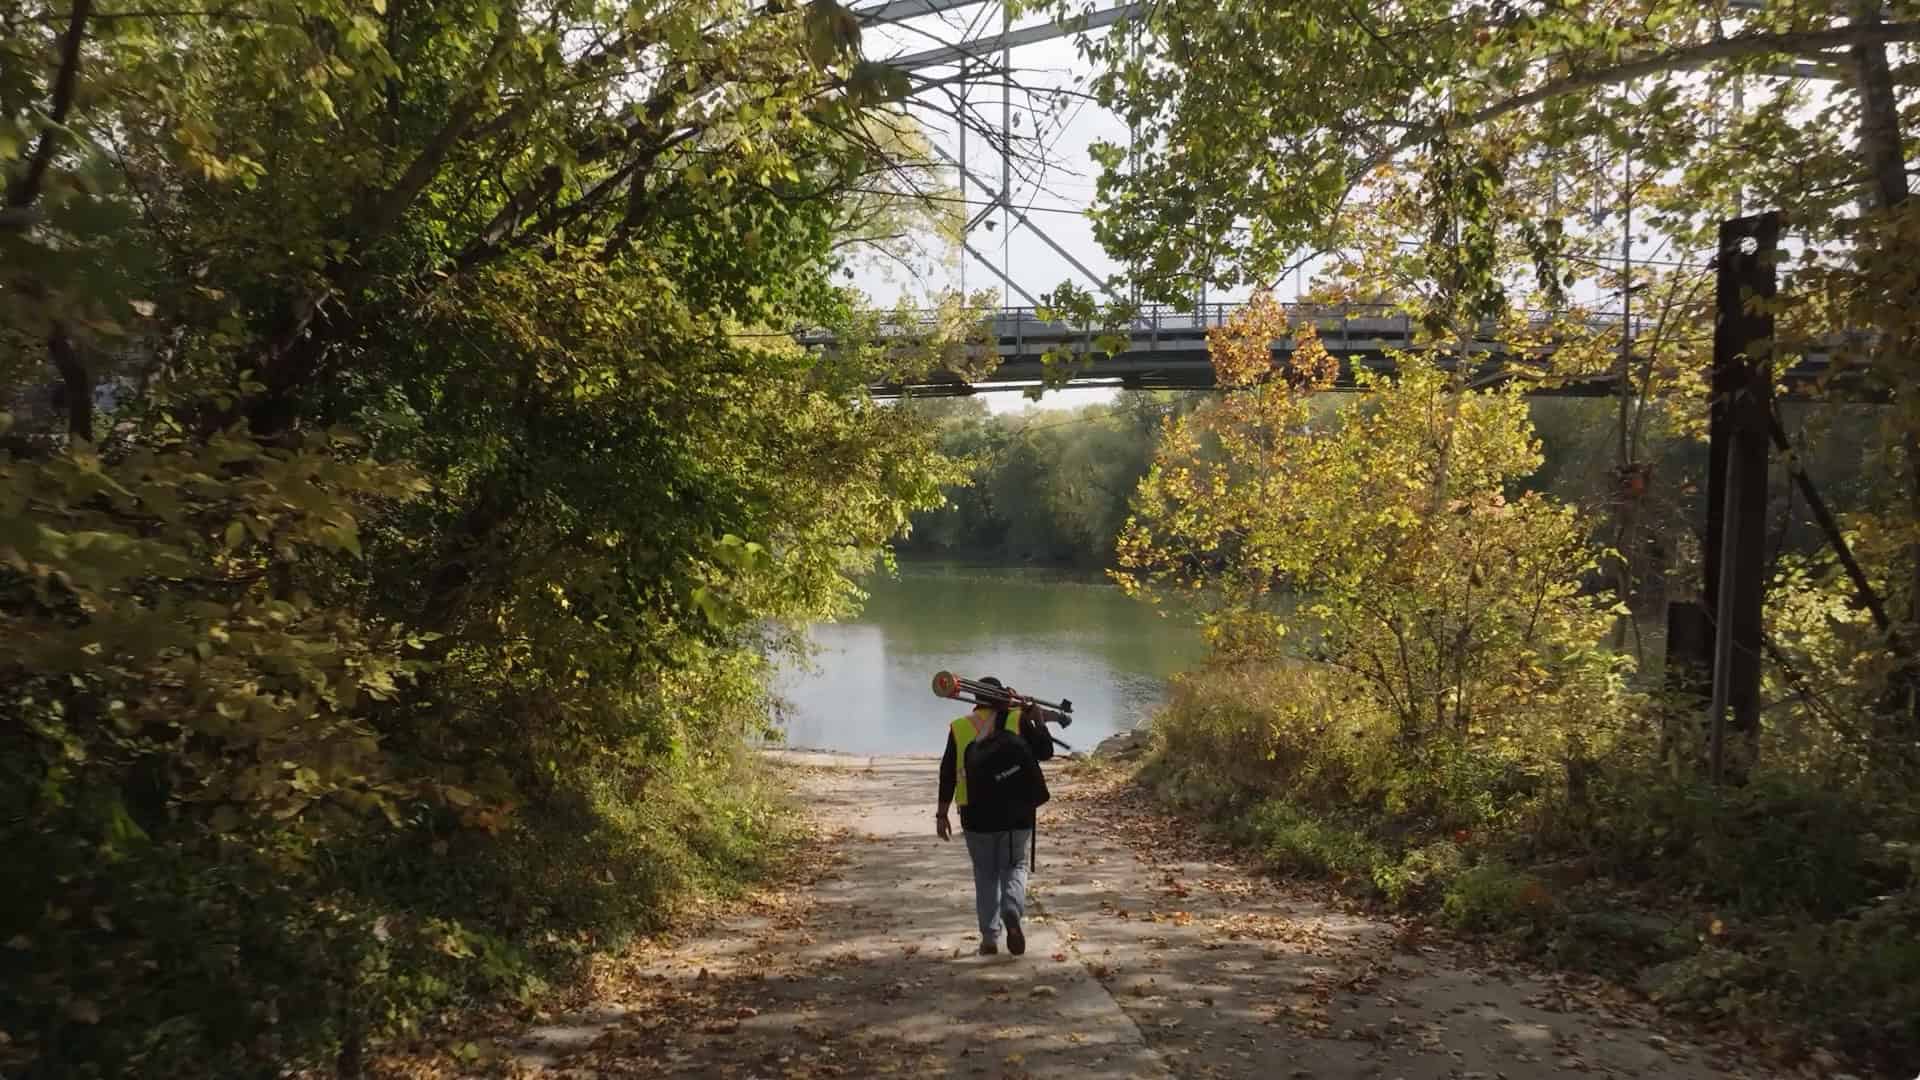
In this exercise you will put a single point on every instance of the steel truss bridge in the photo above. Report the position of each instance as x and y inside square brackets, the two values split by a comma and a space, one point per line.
[1167, 350]
[982, 59]
[1166, 347]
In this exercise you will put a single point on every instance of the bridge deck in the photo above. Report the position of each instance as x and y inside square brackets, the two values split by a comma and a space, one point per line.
[1168, 350]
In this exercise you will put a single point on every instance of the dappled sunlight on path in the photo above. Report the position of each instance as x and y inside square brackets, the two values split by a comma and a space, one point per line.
[1229, 974]
[1146, 958]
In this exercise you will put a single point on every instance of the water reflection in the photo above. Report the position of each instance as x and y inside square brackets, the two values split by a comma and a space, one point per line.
[1048, 634]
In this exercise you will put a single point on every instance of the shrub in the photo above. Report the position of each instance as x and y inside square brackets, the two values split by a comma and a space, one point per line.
[1850, 980]
[208, 959]
[1296, 841]
[1414, 878]
[1442, 602]
[1295, 729]
[1447, 785]
[1777, 845]
[1493, 896]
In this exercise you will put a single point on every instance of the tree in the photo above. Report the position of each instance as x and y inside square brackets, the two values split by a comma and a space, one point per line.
[426, 477]
[1287, 525]
[1305, 537]
[1271, 135]
[1265, 121]
[1044, 486]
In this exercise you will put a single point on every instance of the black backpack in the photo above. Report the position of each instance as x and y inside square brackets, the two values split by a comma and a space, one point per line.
[1002, 779]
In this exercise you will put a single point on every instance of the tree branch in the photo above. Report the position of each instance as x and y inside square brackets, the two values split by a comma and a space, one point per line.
[27, 188]
[385, 209]
[494, 239]
[379, 214]
[1683, 59]
[1824, 517]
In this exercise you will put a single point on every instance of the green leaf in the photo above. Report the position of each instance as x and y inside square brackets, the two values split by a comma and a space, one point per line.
[873, 82]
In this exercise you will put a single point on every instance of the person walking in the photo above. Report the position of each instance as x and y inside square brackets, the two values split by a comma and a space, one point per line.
[991, 770]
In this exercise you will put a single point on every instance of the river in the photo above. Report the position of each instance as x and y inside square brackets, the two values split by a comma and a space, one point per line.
[1045, 633]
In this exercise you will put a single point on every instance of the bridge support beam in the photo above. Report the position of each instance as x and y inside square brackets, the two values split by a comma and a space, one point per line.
[1740, 429]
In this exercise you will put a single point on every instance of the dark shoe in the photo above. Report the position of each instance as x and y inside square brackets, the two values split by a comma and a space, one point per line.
[988, 948]
[1016, 938]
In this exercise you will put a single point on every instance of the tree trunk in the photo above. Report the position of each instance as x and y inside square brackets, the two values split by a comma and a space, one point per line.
[1623, 508]
[76, 383]
[1885, 158]
[1879, 114]
[1624, 538]
[74, 390]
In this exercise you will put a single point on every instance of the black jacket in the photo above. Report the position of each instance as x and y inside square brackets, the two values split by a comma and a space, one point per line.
[1039, 744]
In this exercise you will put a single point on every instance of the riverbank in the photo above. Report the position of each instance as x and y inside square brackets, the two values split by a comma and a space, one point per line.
[1150, 954]
[1780, 911]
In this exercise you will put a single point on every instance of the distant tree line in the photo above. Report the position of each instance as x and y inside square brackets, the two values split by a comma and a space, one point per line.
[1048, 486]
[1053, 486]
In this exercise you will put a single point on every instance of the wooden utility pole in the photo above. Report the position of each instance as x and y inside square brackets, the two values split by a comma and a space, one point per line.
[1740, 428]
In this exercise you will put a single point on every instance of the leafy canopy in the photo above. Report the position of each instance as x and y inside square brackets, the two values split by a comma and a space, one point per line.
[407, 475]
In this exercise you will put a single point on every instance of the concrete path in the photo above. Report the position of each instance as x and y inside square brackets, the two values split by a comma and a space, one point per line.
[1141, 962]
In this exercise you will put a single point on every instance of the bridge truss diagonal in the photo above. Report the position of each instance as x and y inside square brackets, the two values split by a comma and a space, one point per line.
[982, 61]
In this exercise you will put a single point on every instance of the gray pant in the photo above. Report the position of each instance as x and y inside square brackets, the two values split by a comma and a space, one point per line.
[999, 877]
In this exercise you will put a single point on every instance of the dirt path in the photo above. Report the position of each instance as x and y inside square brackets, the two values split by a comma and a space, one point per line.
[1139, 964]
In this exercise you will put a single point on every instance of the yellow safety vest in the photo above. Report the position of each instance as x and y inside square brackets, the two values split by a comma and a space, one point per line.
[963, 734]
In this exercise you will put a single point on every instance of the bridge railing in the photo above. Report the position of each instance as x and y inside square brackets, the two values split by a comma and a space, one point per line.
[1340, 325]
[1343, 327]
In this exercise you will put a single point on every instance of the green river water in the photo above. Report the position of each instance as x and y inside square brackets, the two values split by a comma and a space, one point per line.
[1044, 633]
